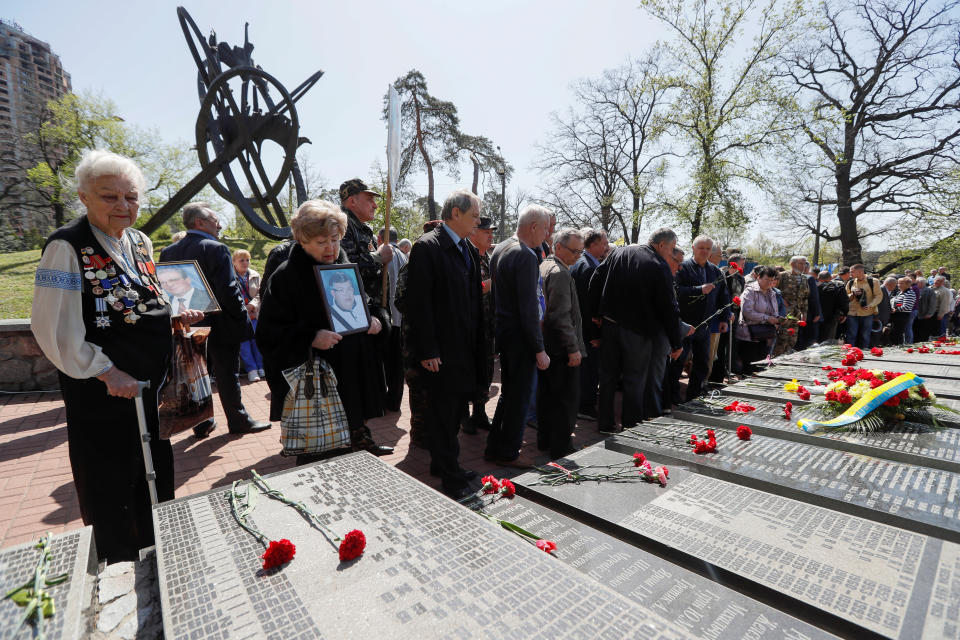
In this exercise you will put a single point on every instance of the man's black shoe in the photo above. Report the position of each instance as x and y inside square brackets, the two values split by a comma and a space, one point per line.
[252, 426]
[205, 428]
[379, 449]
[480, 421]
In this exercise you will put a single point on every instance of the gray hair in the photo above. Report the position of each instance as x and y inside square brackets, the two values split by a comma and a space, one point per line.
[663, 234]
[889, 279]
[701, 239]
[98, 163]
[563, 235]
[193, 211]
[532, 214]
[404, 243]
[797, 259]
[462, 199]
[678, 253]
[940, 279]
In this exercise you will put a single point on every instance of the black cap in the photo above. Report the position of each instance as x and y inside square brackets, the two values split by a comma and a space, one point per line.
[486, 224]
[353, 187]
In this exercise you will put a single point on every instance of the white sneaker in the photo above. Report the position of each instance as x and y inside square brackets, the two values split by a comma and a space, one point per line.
[263, 374]
[253, 376]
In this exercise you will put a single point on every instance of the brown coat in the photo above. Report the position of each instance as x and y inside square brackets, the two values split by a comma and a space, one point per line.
[562, 325]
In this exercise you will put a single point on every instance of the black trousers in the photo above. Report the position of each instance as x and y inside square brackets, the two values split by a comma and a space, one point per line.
[589, 379]
[393, 370]
[699, 345]
[223, 361]
[898, 326]
[517, 367]
[558, 399]
[752, 352]
[443, 427]
[107, 462]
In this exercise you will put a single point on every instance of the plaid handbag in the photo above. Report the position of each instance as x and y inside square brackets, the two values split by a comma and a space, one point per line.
[313, 419]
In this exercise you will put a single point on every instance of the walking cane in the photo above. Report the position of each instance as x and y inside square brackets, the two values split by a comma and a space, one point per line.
[145, 441]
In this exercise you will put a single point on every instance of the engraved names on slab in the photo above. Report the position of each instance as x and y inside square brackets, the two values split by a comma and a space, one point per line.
[909, 496]
[868, 574]
[701, 607]
[432, 569]
[73, 554]
[904, 442]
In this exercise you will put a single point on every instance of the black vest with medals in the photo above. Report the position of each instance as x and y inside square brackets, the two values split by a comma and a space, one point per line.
[129, 321]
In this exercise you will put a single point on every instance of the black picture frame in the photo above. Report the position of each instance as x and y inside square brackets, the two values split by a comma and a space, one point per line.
[335, 275]
[198, 284]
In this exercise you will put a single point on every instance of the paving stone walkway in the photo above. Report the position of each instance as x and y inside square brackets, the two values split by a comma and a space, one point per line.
[36, 485]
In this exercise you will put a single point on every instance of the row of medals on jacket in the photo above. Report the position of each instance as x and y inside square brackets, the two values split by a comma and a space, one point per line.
[115, 290]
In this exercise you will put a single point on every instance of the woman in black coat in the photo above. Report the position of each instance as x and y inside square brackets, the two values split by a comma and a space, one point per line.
[293, 319]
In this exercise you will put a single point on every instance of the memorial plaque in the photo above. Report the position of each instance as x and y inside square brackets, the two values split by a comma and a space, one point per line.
[431, 569]
[804, 372]
[700, 606]
[770, 389]
[909, 442]
[74, 554]
[917, 498]
[892, 354]
[840, 569]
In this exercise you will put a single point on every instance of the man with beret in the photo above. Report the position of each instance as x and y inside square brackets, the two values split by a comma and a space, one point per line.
[358, 201]
[482, 240]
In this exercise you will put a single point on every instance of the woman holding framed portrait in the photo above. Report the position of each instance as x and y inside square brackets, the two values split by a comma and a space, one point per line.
[297, 319]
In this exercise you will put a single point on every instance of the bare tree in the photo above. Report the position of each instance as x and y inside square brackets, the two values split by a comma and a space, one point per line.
[877, 85]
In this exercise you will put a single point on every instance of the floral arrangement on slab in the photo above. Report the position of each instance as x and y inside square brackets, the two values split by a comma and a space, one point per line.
[279, 552]
[37, 602]
[504, 488]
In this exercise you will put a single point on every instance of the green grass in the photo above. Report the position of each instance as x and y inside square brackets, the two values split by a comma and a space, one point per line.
[17, 271]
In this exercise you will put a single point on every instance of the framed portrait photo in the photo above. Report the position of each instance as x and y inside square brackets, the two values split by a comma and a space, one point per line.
[185, 287]
[343, 297]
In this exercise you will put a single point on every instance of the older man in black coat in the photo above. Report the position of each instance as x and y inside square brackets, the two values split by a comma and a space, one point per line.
[229, 327]
[596, 247]
[445, 316]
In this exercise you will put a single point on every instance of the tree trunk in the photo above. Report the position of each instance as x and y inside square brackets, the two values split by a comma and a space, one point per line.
[849, 238]
[476, 174]
[431, 204]
[697, 221]
[58, 215]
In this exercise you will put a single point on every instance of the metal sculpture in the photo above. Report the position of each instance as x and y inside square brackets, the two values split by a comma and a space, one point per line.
[238, 119]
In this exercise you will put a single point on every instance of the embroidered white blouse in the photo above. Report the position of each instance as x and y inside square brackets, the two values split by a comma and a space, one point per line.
[57, 315]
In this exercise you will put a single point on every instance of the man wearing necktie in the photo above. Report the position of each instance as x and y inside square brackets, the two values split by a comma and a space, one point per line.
[701, 292]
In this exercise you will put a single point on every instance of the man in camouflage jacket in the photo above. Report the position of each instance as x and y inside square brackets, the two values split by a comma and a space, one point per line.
[795, 290]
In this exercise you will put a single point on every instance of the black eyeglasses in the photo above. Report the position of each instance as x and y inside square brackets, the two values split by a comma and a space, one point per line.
[578, 252]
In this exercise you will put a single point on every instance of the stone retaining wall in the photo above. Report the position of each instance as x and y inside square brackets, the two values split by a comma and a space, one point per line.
[23, 367]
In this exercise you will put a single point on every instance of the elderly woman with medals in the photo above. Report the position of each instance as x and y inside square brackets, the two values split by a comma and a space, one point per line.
[100, 316]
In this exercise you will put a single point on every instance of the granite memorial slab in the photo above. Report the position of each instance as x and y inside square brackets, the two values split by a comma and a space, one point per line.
[693, 602]
[836, 569]
[912, 497]
[73, 553]
[924, 369]
[432, 568]
[816, 355]
[771, 389]
[907, 442]
[940, 386]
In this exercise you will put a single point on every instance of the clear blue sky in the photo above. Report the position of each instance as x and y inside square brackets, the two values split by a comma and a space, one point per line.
[506, 64]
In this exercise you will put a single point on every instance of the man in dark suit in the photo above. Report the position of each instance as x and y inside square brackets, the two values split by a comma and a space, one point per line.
[445, 317]
[596, 247]
[632, 292]
[516, 297]
[701, 292]
[229, 327]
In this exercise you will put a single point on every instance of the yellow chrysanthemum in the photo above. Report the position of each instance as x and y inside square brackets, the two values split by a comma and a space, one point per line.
[858, 390]
[791, 386]
[836, 386]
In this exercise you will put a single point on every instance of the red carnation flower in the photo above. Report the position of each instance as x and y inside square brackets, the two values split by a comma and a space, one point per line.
[831, 396]
[877, 351]
[803, 393]
[909, 349]
[736, 300]
[639, 459]
[903, 395]
[787, 410]
[827, 368]
[546, 545]
[923, 392]
[490, 484]
[802, 323]
[666, 472]
[352, 545]
[791, 331]
[693, 438]
[279, 552]
[876, 382]
[892, 402]
[744, 432]
[507, 488]
[711, 434]
[844, 397]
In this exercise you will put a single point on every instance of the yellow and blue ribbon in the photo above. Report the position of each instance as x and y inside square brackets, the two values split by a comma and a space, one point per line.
[870, 401]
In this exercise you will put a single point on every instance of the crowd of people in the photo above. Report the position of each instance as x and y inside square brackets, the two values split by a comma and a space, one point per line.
[570, 319]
